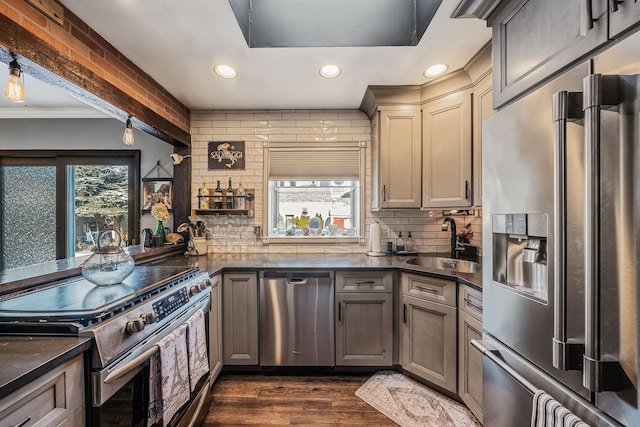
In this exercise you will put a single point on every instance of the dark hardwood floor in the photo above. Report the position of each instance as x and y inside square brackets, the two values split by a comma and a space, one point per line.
[291, 400]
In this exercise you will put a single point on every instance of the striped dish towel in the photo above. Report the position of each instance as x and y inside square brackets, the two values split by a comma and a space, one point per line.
[547, 412]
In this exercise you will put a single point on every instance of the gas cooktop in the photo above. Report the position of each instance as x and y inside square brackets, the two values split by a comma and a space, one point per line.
[78, 300]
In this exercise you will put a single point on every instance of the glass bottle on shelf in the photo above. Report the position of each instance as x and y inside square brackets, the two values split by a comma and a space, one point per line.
[217, 199]
[203, 202]
[241, 202]
[229, 198]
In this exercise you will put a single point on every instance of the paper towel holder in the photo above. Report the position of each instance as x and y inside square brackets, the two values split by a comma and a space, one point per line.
[374, 249]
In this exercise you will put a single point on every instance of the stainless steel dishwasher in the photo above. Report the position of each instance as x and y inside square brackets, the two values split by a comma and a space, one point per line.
[296, 318]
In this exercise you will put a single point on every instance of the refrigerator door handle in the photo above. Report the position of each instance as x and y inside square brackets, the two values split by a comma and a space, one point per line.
[598, 374]
[494, 355]
[567, 106]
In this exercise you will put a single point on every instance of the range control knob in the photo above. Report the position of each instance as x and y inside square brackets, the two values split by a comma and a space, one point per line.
[194, 290]
[134, 326]
[204, 284]
[148, 318]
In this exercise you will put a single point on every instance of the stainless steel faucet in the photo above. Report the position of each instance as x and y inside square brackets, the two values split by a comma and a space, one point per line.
[450, 224]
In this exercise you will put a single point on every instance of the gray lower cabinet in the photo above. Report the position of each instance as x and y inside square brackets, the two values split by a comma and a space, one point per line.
[54, 399]
[240, 318]
[428, 329]
[215, 328]
[364, 319]
[470, 359]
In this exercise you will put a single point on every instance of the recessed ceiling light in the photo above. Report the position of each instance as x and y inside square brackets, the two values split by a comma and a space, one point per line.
[436, 70]
[330, 71]
[225, 71]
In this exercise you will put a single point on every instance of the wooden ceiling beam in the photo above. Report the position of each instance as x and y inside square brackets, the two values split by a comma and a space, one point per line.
[40, 59]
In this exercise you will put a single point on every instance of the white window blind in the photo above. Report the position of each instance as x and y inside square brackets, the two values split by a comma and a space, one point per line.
[313, 162]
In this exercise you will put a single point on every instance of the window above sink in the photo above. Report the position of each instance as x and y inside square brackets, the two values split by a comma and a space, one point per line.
[314, 209]
[313, 193]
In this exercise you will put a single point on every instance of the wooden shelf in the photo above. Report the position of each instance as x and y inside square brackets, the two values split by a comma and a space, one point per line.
[248, 211]
[222, 212]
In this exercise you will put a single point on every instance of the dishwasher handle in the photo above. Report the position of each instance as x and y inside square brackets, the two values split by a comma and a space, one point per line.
[295, 275]
[296, 281]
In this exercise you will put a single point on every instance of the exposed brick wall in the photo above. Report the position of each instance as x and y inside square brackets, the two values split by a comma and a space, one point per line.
[235, 235]
[77, 41]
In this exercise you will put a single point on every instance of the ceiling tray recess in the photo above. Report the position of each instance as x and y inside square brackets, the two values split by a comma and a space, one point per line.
[333, 23]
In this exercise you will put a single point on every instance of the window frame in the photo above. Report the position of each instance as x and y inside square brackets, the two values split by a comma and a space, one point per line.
[62, 159]
[311, 147]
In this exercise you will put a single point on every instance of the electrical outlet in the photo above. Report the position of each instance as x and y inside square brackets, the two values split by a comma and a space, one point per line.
[384, 232]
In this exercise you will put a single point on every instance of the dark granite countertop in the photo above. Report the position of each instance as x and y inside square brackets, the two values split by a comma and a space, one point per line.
[214, 264]
[24, 359]
[35, 275]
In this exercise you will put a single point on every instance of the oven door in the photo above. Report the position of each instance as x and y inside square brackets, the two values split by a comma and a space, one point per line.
[120, 392]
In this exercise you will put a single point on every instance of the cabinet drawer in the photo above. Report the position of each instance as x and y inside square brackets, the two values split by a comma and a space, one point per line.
[48, 400]
[431, 288]
[470, 301]
[365, 281]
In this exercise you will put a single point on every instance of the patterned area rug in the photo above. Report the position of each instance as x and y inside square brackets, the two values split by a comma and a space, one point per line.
[410, 404]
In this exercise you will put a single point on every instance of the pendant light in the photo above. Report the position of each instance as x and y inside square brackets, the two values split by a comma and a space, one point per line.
[14, 89]
[128, 137]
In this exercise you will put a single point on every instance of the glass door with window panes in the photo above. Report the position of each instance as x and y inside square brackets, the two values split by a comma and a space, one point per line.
[56, 206]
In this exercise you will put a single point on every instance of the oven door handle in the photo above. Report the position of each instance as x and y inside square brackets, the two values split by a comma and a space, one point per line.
[116, 374]
[132, 364]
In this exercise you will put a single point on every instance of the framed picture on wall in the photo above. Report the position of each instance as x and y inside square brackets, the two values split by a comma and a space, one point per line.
[157, 190]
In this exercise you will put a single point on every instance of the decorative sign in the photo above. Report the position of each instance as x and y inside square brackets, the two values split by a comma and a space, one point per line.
[157, 190]
[226, 155]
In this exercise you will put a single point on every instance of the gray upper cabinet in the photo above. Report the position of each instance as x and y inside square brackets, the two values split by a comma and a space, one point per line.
[399, 161]
[396, 144]
[624, 18]
[482, 110]
[446, 177]
[535, 39]
[240, 318]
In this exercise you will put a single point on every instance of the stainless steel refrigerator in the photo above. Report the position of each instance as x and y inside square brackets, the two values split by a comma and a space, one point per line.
[561, 258]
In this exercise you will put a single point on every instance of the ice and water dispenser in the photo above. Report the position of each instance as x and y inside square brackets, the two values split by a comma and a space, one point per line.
[520, 253]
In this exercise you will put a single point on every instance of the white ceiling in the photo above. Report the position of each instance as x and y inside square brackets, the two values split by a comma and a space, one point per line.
[178, 42]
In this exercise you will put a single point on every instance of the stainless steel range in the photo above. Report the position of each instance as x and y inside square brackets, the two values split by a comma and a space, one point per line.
[126, 322]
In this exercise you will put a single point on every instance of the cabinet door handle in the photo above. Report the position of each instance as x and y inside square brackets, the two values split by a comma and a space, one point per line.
[339, 312]
[429, 290]
[370, 283]
[590, 18]
[404, 313]
[466, 189]
[613, 5]
[23, 422]
[384, 193]
[476, 306]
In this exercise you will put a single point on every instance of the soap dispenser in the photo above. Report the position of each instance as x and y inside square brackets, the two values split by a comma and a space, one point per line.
[400, 244]
[408, 244]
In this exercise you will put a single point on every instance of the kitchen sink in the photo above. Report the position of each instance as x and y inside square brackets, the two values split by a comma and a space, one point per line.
[439, 263]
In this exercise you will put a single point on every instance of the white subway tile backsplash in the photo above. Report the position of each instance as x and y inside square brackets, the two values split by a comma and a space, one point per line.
[257, 127]
[268, 116]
